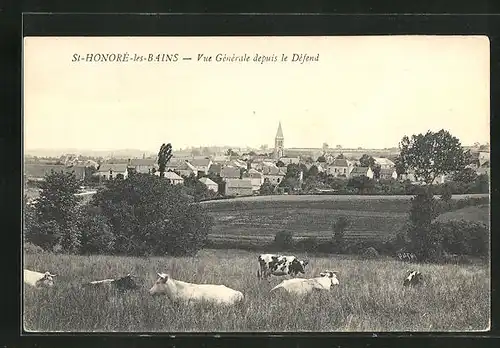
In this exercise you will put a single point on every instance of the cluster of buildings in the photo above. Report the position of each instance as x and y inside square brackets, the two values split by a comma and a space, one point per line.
[242, 175]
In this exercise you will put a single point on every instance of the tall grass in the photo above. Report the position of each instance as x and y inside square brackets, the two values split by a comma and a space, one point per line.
[370, 296]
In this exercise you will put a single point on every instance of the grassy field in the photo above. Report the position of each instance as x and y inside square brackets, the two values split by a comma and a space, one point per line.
[370, 296]
[259, 218]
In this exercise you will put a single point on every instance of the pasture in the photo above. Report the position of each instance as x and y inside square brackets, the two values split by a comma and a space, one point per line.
[257, 219]
[370, 296]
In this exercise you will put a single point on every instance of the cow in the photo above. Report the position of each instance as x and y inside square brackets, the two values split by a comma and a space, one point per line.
[280, 265]
[301, 286]
[413, 278]
[123, 283]
[37, 279]
[179, 291]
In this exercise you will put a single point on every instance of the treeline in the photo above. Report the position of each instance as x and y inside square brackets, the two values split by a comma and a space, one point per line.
[143, 215]
[464, 182]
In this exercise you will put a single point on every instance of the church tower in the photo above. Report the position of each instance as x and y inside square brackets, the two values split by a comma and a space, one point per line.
[278, 143]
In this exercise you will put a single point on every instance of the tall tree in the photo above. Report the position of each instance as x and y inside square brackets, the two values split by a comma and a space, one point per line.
[432, 154]
[164, 155]
[340, 156]
[367, 161]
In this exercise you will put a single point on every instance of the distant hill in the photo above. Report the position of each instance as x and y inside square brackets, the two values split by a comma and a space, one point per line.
[479, 213]
[121, 153]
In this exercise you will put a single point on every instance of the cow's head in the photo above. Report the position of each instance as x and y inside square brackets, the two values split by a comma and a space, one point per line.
[46, 280]
[160, 286]
[299, 266]
[126, 283]
[413, 278]
[332, 275]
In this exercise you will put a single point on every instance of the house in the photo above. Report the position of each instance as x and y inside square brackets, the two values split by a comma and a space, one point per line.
[215, 168]
[172, 177]
[256, 178]
[238, 187]
[112, 170]
[186, 169]
[239, 163]
[142, 165]
[484, 169]
[290, 160]
[230, 173]
[387, 173]
[361, 171]
[274, 174]
[37, 172]
[211, 185]
[201, 164]
[339, 167]
[483, 156]
[384, 163]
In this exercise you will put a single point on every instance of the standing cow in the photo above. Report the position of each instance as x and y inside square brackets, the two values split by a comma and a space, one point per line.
[280, 265]
[37, 279]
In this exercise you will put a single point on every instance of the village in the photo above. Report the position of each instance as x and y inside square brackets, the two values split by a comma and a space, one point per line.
[233, 174]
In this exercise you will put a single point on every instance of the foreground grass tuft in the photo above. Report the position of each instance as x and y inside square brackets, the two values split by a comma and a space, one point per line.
[370, 296]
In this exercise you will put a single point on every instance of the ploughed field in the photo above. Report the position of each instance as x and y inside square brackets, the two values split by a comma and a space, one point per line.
[370, 296]
[257, 219]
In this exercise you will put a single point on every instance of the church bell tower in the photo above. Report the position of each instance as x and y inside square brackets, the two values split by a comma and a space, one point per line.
[278, 143]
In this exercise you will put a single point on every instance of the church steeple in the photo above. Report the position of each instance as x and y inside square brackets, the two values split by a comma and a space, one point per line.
[279, 143]
[279, 133]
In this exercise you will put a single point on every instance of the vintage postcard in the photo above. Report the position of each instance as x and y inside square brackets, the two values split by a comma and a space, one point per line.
[256, 184]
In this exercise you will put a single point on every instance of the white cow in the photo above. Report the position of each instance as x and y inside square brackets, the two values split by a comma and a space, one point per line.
[37, 279]
[178, 290]
[301, 286]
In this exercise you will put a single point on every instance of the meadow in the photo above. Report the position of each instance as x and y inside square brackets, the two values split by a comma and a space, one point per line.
[370, 296]
[257, 219]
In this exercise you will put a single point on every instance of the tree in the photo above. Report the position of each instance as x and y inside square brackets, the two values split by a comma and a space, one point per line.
[148, 216]
[280, 164]
[339, 227]
[340, 156]
[313, 171]
[164, 155]
[432, 154]
[231, 153]
[362, 184]
[321, 159]
[367, 161]
[399, 166]
[56, 213]
[466, 175]
[376, 171]
[266, 188]
[422, 211]
[325, 146]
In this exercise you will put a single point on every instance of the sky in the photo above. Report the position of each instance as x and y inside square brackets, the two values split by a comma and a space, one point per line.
[365, 91]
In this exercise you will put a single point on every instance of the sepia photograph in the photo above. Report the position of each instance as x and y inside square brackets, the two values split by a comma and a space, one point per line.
[256, 184]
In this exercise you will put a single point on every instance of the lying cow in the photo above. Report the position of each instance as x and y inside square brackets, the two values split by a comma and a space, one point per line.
[37, 279]
[179, 291]
[279, 265]
[123, 283]
[301, 286]
[413, 278]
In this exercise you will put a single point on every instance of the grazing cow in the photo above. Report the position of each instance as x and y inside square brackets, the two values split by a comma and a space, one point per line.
[37, 279]
[405, 256]
[279, 265]
[123, 283]
[181, 291]
[413, 278]
[301, 286]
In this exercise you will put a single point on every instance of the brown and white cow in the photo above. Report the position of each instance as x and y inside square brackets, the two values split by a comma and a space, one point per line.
[37, 279]
[280, 265]
[413, 278]
[123, 283]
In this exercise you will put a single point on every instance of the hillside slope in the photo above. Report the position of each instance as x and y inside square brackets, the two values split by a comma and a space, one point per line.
[479, 213]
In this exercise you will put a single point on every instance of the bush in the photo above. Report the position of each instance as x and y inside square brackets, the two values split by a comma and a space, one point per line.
[30, 248]
[370, 253]
[96, 234]
[447, 193]
[463, 237]
[283, 240]
[310, 244]
[149, 216]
